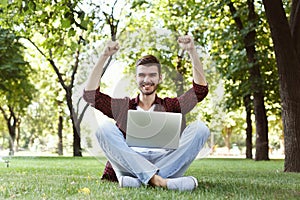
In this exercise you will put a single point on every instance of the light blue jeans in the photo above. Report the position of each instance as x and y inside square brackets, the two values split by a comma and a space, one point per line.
[143, 165]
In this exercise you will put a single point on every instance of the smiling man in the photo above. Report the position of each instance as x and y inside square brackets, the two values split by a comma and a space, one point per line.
[148, 76]
[132, 166]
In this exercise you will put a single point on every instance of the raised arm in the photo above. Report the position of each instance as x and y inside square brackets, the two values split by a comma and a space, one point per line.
[93, 81]
[187, 43]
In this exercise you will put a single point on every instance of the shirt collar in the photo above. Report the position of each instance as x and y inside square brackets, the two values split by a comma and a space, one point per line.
[137, 100]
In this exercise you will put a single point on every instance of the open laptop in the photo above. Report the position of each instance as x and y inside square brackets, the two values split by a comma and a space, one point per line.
[153, 129]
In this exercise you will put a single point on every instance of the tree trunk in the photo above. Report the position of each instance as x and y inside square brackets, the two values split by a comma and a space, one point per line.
[227, 137]
[179, 82]
[3, 139]
[262, 144]
[59, 132]
[286, 39]
[261, 122]
[18, 135]
[77, 151]
[247, 103]
[11, 125]
[12, 138]
[11, 122]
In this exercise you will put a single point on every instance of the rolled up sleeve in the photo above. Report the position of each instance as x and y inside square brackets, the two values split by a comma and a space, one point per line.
[89, 96]
[201, 91]
[189, 99]
[99, 100]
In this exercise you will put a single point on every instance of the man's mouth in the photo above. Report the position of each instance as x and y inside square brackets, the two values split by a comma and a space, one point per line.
[147, 88]
[146, 85]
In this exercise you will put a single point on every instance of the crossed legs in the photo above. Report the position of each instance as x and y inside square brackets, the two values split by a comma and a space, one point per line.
[170, 164]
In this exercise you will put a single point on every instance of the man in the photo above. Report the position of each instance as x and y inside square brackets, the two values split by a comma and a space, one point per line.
[157, 167]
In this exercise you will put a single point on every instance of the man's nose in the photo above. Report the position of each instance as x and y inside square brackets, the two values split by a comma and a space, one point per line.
[146, 79]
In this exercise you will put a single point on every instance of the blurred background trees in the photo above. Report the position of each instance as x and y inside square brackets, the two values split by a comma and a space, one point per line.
[59, 41]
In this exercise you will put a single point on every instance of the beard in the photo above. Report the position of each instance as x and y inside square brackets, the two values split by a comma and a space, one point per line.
[149, 84]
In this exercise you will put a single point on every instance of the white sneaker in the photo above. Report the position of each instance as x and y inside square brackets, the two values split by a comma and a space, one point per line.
[128, 181]
[187, 183]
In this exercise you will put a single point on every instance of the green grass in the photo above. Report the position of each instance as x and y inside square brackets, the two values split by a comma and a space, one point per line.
[79, 178]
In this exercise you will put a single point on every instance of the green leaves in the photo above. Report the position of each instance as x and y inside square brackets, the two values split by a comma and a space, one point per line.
[65, 23]
[12, 64]
[15, 87]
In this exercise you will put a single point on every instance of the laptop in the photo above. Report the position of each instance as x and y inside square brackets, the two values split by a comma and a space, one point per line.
[153, 129]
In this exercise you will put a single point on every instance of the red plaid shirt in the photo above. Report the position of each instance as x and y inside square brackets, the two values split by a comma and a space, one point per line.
[116, 108]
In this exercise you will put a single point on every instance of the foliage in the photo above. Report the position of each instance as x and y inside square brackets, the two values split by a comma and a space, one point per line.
[57, 178]
[229, 53]
[58, 29]
[155, 26]
[12, 65]
[213, 27]
[16, 88]
[150, 31]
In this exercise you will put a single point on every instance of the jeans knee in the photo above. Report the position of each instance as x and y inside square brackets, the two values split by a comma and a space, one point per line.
[203, 131]
[103, 132]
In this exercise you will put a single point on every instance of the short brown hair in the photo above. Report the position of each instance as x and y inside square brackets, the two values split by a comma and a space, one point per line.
[149, 60]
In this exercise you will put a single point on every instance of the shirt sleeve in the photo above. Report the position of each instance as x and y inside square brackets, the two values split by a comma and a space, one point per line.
[189, 99]
[107, 105]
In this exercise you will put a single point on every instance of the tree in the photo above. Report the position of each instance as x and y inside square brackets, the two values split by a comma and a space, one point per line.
[15, 87]
[43, 115]
[158, 37]
[286, 38]
[256, 81]
[57, 30]
[240, 46]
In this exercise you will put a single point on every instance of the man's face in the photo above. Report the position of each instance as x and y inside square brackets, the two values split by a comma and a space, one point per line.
[147, 78]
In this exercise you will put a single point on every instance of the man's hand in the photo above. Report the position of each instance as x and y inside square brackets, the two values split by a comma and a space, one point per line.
[186, 43]
[111, 48]
[95, 76]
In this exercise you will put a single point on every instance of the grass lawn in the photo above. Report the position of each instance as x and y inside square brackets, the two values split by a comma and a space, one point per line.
[79, 178]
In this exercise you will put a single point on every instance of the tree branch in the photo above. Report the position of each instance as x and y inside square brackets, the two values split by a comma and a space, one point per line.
[77, 105]
[82, 113]
[75, 68]
[41, 52]
[4, 114]
[61, 80]
[106, 66]
[113, 30]
[113, 8]
[13, 115]
[233, 12]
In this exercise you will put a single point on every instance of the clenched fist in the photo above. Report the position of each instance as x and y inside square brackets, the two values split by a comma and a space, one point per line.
[111, 48]
[186, 42]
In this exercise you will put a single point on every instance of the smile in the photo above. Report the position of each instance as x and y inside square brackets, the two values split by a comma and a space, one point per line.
[147, 84]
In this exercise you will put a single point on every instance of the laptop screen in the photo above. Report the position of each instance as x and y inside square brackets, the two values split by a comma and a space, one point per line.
[153, 129]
